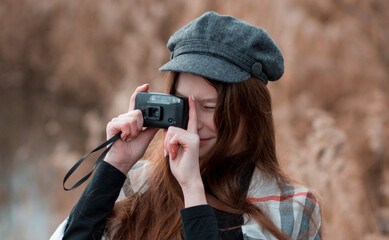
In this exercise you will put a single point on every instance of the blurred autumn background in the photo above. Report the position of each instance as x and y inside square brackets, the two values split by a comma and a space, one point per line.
[68, 67]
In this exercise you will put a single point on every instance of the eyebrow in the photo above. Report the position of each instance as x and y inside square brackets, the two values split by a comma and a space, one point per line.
[200, 99]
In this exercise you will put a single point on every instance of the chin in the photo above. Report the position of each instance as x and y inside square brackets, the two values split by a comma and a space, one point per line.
[205, 149]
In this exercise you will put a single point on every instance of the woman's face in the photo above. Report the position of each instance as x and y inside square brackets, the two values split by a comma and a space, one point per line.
[205, 98]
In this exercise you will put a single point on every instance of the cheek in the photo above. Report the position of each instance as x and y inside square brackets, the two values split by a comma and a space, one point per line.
[210, 123]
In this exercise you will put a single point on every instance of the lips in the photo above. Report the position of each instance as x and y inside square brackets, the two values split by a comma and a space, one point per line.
[204, 140]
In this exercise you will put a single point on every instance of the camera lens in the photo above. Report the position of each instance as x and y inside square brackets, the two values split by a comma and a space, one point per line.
[156, 113]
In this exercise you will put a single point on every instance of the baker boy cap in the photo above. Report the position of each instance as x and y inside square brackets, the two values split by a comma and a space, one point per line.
[225, 49]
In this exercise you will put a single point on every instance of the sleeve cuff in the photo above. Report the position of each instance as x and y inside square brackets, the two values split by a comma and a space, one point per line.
[199, 222]
[197, 212]
[107, 170]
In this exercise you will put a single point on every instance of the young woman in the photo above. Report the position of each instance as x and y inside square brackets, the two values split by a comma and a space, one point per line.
[219, 178]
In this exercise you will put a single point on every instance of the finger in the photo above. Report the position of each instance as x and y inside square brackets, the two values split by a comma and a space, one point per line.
[133, 128]
[192, 123]
[142, 88]
[170, 147]
[138, 114]
[164, 137]
[115, 127]
[165, 143]
[178, 139]
[126, 130]
[132, 114]
[173, 146]
[132, 124]
[136, 123]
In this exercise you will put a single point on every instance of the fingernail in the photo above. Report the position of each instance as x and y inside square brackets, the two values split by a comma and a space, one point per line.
[193, 98]
[144, 85]
[124, 139]
[164, 153]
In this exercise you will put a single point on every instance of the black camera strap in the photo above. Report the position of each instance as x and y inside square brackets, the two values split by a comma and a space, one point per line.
[101, 157]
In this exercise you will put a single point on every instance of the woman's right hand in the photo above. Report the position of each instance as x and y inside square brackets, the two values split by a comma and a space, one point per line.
[133, 141]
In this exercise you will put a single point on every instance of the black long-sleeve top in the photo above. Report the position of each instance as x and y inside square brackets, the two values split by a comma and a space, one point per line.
[88, 217]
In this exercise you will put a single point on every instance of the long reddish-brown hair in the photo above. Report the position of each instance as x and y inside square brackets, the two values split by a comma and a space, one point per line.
[155, 212]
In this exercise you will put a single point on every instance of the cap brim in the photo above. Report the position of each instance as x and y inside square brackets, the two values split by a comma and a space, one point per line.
[207, 66]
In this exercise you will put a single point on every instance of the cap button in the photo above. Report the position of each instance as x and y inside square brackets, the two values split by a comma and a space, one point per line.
[256, 69]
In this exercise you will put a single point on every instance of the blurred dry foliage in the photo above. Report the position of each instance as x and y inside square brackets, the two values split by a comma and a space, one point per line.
[67, 67]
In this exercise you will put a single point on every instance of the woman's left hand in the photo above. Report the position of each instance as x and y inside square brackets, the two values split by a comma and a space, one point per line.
[182, 146]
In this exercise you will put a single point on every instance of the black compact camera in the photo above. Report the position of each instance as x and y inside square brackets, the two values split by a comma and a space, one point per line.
[162, 110]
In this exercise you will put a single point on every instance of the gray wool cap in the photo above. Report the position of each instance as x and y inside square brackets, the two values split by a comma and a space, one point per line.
[225, 49]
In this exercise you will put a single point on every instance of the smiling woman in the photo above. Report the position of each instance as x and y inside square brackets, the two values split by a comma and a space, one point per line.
[205, 94]
[217, 179]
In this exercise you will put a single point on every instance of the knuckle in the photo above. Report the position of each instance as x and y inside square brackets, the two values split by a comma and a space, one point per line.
[169, 131]
[169, 134]
[175, 130]
[134, 114]
[132, 122]
[137, 112]
[139, 117]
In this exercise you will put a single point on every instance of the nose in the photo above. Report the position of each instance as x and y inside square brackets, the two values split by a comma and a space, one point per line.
[200, 118]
